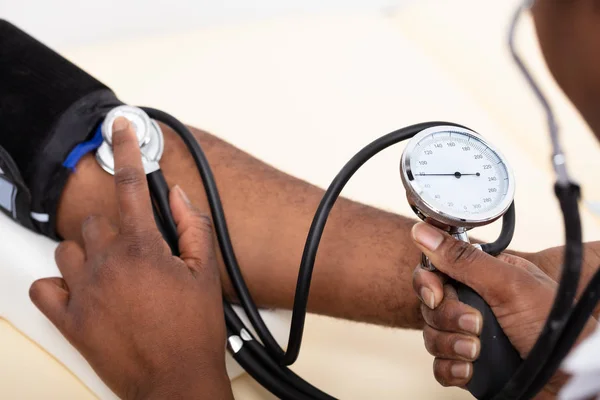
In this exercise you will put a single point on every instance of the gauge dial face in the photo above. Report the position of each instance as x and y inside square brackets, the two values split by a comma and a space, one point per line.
[456, 174]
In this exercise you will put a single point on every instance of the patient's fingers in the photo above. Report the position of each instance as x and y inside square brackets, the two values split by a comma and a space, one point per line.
[195, 233]
[98, 233]
[70, 259]
[133, 196]
[51, 296]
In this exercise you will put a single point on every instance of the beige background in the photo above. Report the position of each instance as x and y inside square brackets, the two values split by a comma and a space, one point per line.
[290, 90]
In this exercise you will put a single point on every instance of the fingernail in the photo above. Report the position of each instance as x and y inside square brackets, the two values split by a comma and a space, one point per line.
[461, 370]
[466, 349]
[427, 297]
[470, 323]
[121, 124]
[427, 236]
[182, 194]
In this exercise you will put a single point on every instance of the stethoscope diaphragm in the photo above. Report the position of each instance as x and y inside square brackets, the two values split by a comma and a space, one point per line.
[149, 134]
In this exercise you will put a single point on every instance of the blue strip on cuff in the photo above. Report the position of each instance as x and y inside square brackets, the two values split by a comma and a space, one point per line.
[83, 148]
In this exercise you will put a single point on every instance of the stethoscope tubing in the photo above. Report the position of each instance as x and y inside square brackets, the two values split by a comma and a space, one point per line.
[265, 362]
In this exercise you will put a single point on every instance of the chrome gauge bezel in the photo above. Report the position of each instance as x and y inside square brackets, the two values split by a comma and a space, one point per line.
[429, 212]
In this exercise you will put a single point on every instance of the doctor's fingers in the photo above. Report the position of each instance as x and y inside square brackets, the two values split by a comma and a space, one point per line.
[70, 260]
[51, 297]
[133, 194]
[452, 315]
[451, 345]
[465, 263]
[452, 372]
[97, 233]
[429, 286]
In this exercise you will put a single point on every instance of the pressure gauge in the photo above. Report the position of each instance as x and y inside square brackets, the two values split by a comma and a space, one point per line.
[455, 179]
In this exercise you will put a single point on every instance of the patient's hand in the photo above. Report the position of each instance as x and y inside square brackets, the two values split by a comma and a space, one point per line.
[150, 324]
[518, 292]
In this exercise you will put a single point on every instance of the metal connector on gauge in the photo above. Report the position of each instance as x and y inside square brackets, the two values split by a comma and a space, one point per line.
[149, 134]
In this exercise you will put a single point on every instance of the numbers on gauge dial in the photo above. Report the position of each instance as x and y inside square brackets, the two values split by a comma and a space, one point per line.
[458, 174]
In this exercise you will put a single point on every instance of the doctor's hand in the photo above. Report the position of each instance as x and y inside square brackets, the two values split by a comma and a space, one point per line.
[550, 261]
[518, 292]
[149, 323]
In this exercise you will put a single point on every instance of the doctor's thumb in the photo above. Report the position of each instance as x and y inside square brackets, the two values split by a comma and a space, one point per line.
[462, 261]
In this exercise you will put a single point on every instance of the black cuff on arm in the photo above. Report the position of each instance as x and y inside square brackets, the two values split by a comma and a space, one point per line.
[47, 106]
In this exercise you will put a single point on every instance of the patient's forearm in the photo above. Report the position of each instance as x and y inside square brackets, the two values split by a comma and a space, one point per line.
[365, 260]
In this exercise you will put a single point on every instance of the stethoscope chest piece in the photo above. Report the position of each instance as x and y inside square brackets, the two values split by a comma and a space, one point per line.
[149, 134]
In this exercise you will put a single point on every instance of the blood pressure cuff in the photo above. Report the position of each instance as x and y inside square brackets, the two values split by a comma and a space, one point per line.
[47, 106]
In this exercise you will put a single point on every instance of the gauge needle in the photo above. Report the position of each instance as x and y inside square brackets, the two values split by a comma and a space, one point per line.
[456, 174]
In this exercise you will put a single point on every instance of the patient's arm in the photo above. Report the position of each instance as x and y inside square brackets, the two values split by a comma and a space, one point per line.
[365, 261]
